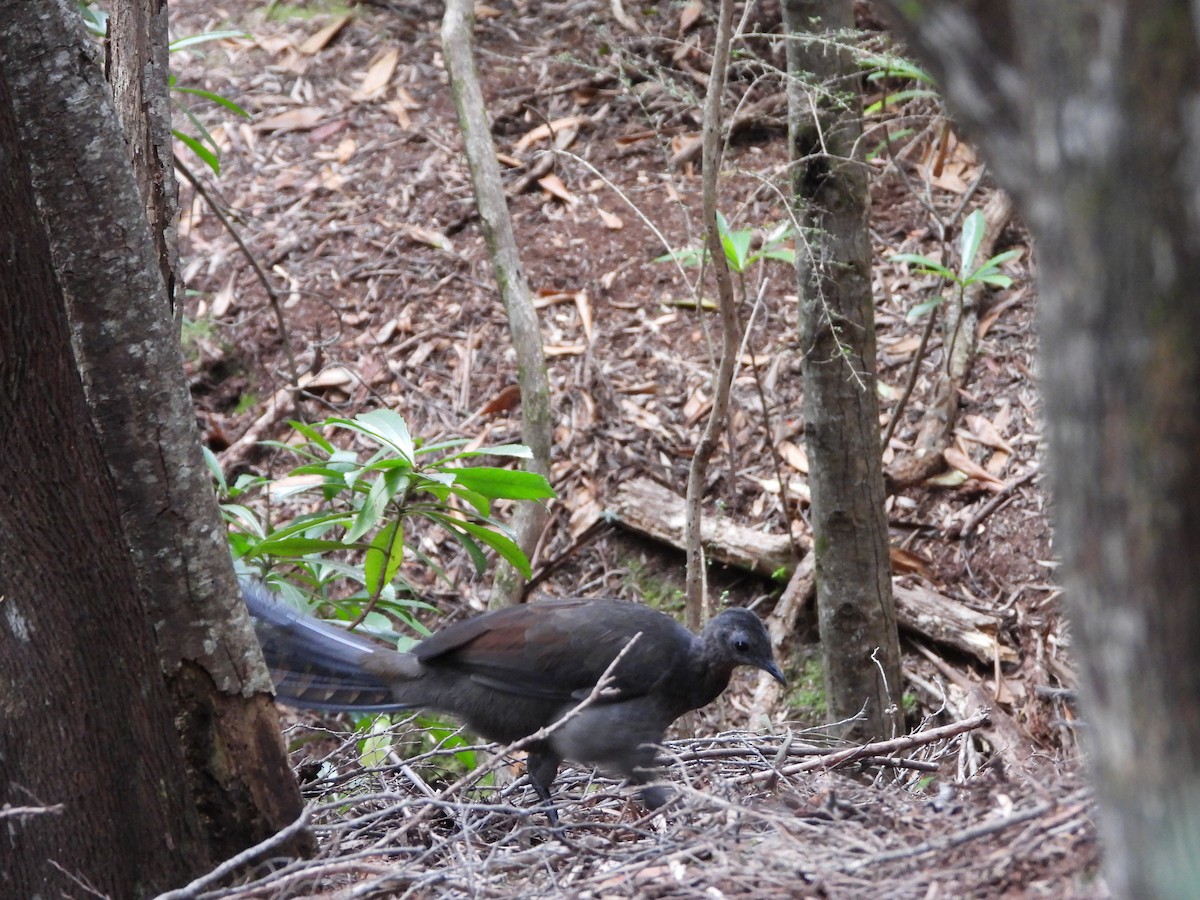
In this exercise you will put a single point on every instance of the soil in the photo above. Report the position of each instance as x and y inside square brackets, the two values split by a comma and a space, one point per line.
[350, 190]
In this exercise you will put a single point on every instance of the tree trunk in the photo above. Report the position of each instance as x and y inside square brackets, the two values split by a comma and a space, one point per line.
[236, 783]
[841, 410]
[138, 68]
[1087, 114]
[86, 715]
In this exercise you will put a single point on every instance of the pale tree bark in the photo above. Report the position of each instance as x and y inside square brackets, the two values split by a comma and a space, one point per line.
[1087, 113]
[537, 418]
[129, 368]
[138, 67]
[855, 610]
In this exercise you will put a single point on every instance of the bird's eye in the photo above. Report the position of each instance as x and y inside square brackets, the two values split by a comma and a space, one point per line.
[741, 645]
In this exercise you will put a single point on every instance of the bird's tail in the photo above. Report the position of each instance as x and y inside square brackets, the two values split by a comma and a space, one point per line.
[318, 666]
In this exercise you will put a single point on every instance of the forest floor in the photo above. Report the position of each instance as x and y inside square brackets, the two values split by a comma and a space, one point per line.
[349, 186]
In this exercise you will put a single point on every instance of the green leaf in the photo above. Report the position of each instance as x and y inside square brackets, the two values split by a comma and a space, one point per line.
[215, 98]
[504, 484]
[312, 435]
[688, 256]
[517, 451]
[376, 747]
[206, 156]
[385, 427]
[896, 98]
[969, 241]
[383, 557]
[214, 469]
[786, 255]
[923, 309]
[295, 546]
[924, 264]
[478, 502]
[995, 279]
[244, 518]
[737, 248]
[503, 545]
[194, 39]
[441, 445]
[378, 498]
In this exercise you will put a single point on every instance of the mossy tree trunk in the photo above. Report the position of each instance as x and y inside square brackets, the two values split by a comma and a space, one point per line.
[855, 610]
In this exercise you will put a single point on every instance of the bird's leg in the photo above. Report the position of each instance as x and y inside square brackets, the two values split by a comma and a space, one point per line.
[542, 768]
[647, 770]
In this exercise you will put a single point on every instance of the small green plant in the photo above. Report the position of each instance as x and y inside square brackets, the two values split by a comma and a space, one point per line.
[881, 67]
[356, 533]
[739, 248]
[204, 145]
[986, 273]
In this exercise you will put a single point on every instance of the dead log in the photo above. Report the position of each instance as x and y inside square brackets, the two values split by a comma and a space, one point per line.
[946, 621]
[657, 512]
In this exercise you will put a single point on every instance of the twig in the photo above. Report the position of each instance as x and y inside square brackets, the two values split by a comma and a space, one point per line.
[244, 858]
[272, 294]
[966, 835]
[1000, 497]
[876, 748]
[8, 811]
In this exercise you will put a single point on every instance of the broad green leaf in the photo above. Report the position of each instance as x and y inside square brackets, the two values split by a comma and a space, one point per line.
[478, 502]
[312, 435]
[386, 427]
[376, 503]
[507, 484]
[783, 255]
[503, 545]
[244, 518]
[383, 557]
[442, 445]
[737, 249]
[995, 279]
[376, 747]
[214, 469]
[897, 97]
[517, 451]
[294, 546]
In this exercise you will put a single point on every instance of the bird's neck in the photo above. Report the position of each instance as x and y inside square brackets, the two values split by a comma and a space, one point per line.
[708, 679]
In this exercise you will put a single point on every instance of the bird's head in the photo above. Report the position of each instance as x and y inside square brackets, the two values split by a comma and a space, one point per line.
[738, 638]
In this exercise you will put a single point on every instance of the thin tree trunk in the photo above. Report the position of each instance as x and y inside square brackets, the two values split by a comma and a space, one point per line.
[841, 409]
[696, 583]
[537, 419]
[1087, 114]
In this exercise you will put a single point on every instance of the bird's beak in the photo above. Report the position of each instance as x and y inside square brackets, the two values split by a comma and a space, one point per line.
[773, 670]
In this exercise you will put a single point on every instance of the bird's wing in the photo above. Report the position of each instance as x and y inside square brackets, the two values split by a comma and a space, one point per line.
[559, 650]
